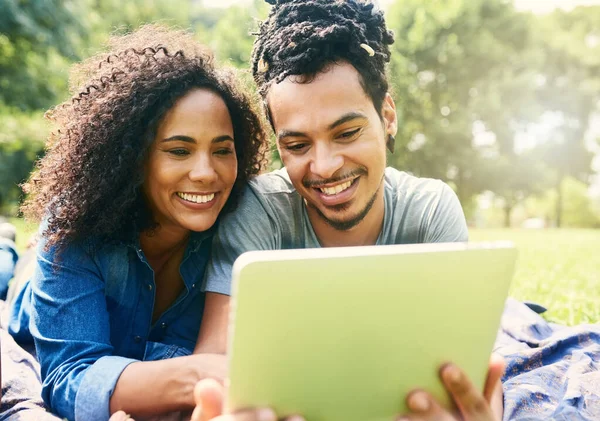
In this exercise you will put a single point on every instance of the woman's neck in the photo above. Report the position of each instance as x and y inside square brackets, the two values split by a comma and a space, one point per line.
[162, 242]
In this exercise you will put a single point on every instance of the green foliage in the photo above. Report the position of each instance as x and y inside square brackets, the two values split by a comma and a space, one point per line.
[21, 142]
[450, 72]
[468, 76]
[579, 209]
[569, 88]
[37, 39]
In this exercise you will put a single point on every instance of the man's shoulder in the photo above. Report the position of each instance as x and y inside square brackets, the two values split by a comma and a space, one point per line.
[404, 185]
[269, 194]
[421, 210]
[274, 182]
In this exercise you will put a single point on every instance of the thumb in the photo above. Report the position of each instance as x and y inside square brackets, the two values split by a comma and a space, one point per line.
[495, 373]
[120, 416]
[208, 395]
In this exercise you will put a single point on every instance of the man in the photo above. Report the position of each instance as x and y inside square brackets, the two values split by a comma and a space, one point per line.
[8, 256]
[320, 69]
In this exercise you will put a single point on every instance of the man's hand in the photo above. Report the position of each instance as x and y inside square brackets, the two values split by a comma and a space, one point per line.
[472, 405]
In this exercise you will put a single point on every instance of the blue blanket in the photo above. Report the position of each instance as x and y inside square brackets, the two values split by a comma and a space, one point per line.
[552, 371]
[21, 387]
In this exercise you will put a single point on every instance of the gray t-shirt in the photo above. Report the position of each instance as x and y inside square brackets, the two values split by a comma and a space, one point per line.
[272, 216]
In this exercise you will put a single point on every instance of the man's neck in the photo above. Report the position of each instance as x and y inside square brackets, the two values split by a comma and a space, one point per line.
[365, 233]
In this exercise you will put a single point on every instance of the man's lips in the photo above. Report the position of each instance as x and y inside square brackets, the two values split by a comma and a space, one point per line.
[331, 195]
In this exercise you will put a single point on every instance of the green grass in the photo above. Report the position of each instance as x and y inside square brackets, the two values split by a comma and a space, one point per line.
[558, 268]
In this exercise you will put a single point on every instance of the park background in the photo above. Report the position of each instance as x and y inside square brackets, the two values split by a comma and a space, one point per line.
[499, 98]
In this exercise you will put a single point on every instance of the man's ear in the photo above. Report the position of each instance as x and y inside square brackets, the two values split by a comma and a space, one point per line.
[390, 121]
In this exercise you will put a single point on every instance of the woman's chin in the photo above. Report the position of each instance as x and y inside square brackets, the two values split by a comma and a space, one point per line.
[200, 225]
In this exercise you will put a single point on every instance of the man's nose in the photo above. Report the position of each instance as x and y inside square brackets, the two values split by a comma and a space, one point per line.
[325, 161]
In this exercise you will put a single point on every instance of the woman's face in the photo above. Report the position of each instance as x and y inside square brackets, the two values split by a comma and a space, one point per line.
[192, 164]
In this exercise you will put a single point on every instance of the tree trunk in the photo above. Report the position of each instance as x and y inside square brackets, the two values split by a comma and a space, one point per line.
[559, 199]
[508, 207]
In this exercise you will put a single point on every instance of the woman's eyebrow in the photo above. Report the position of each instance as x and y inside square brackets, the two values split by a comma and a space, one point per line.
[180, 138]
[224, 138]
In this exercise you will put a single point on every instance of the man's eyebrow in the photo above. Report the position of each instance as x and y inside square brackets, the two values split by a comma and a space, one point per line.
[346, 118]
[289, 133]
[343, 119]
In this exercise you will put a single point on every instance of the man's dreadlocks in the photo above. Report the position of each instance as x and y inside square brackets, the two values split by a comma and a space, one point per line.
[305, 37]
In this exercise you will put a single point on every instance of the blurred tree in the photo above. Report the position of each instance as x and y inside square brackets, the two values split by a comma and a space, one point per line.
[22, 138]
[37, 39]
[569, 89]
[514, 178]
[38, 42]
[107, 17]
[579, 209]
[455, 64]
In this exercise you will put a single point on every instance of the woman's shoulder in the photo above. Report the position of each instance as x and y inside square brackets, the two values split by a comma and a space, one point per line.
[90, 248]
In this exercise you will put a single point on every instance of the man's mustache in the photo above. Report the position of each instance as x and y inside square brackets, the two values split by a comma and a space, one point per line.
[308, 183]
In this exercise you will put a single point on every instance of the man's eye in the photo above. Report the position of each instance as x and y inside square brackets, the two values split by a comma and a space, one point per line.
[296, 147]
[179, 152]
[350, 134]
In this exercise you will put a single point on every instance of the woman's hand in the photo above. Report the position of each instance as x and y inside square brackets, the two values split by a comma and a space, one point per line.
[208, 395]
[472, 405]
[120, 416]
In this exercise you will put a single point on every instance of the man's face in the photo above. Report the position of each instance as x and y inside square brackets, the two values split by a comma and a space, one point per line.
[333, 143]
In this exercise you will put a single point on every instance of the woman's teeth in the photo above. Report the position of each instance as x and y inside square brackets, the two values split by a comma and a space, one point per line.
[336, 189]
[197, 198]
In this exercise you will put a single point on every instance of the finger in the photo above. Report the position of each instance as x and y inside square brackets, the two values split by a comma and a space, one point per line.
[424, 407]
[470, 402]
[494, 377]
[208, 396]
[120, 416]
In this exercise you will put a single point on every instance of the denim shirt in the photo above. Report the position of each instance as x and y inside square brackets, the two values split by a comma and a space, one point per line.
[91, 316]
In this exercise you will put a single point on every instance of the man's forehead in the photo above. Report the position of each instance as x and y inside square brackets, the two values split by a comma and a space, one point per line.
[298, 105]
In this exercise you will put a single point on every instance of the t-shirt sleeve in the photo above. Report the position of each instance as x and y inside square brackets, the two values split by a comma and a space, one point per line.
[249, 227]
[447, 223]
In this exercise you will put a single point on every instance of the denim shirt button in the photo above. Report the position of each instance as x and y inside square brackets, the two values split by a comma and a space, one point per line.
[137, 339]
[163, 325]
[193, 285]
[149, 287]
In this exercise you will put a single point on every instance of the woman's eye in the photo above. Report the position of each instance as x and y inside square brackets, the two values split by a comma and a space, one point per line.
[224, 151]
[349, 134]
[179, 152]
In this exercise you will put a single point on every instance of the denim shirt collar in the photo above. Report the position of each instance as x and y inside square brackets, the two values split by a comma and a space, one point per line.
[194, 255]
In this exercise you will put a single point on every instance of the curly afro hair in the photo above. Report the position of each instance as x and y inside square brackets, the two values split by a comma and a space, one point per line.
[89, 182]
[305, 37]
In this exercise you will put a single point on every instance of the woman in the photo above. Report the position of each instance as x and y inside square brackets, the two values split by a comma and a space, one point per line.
[153, 148]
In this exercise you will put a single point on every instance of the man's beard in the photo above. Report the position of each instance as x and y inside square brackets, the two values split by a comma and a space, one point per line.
[345, 225]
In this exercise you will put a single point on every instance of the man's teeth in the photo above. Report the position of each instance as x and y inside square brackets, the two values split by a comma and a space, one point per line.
[336, 189]
[197, 198]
